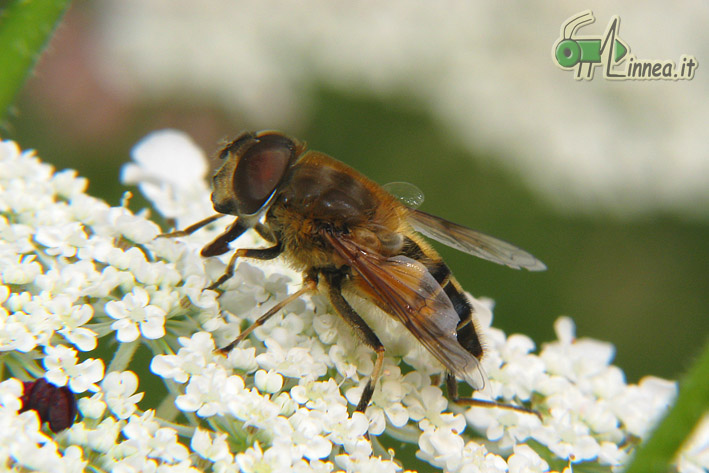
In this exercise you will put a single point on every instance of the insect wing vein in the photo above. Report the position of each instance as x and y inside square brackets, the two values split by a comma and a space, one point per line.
[417, 300]
[473, 242]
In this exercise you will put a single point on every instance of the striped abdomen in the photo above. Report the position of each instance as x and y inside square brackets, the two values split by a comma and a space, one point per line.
[466, 334]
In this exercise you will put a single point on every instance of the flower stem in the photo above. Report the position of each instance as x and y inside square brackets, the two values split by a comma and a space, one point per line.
[123, 356]
[658, 453]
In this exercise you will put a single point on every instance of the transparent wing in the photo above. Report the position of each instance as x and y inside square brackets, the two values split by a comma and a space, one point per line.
[416, 299]
[472, 242]
[406, 193]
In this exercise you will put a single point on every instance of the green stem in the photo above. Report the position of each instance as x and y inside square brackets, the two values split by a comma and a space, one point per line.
[658, 453]
[123, 356]
[25, 29]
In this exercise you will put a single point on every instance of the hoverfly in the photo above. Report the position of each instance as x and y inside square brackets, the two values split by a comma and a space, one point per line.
[348, 234]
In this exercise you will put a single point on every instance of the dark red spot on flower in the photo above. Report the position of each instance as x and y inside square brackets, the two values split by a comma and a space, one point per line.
[53, 404]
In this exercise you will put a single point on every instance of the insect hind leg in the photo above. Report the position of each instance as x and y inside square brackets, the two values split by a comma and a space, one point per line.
[452, 388]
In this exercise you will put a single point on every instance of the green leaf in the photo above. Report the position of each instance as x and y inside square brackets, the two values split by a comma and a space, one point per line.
[658, 453]
[25, 28]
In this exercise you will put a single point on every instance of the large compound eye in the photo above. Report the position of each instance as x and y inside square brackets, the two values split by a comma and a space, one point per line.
[260, 170]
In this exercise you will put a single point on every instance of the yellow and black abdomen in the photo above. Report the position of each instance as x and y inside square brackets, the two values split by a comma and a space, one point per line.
[467, 336]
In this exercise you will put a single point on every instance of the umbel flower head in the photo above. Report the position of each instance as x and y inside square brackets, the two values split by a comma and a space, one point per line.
[80, 279]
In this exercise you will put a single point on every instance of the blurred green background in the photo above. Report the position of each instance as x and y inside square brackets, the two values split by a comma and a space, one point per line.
[637, 281]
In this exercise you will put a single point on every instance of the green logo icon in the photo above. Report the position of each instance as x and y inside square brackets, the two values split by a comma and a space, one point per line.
[584, 53]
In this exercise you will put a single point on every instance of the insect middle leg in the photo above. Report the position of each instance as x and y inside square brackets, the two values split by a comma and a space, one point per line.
[310, 285]
[343, 308]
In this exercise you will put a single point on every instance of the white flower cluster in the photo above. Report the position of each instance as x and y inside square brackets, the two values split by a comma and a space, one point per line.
[77, 275]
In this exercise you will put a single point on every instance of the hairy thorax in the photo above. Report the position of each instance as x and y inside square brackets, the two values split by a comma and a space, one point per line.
[329, 197]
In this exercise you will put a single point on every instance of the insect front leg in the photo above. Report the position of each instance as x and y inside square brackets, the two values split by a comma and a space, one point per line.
[220, 244]
[345, 310]
[452, 388]
[257, 253]
[192, 228]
